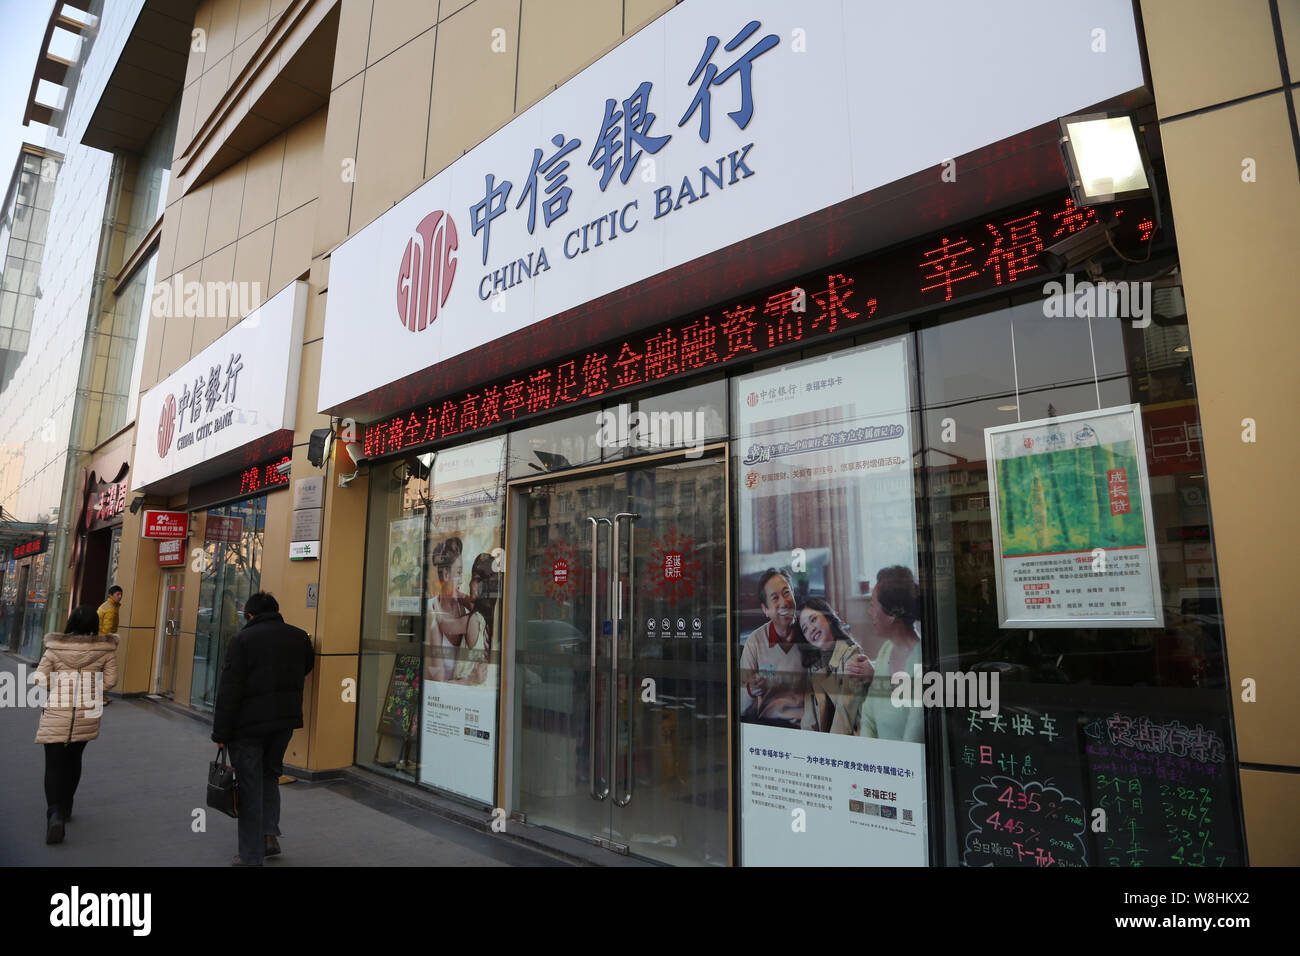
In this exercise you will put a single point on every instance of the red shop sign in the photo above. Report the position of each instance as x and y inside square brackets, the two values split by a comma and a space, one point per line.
[171, 552]
[221, 529]
[164, 524]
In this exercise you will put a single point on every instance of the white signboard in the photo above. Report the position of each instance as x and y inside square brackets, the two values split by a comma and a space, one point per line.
[308, 493]
[1073, 535]
[242, 387]
[306, 524]
[717, 122]
[304, 550]
[863, 802]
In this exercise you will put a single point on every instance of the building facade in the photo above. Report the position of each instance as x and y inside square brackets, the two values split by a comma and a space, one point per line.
[70, 372]
[611, 388]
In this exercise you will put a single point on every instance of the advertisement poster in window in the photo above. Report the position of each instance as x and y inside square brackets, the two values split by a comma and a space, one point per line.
[405, 553]
[1072, 524]
[458, 723]
[833, 773]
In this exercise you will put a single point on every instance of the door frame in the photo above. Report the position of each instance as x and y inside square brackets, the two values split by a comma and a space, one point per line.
[515, 547]
[160, 654]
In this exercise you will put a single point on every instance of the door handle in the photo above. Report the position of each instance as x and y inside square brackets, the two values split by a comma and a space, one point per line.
[616, 588]
[597, 792]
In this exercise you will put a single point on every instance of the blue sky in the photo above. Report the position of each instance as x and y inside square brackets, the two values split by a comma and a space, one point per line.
[22, 27]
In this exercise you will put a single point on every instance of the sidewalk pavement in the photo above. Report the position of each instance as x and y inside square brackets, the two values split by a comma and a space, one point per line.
[146, 774]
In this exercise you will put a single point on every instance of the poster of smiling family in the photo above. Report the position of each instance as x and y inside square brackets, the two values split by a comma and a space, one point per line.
[462, 653]
[829, 607]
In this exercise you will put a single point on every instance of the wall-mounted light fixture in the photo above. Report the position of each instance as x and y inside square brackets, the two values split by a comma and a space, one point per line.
[1104, 158]
[318, 446]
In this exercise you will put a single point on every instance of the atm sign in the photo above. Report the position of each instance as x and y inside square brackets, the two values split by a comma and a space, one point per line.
[164, 524]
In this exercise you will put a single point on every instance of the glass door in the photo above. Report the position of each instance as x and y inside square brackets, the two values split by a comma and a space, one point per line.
[232, 570]
[621, 660]
[173, 586]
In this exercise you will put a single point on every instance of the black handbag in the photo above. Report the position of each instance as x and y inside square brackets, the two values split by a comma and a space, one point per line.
[223, 789]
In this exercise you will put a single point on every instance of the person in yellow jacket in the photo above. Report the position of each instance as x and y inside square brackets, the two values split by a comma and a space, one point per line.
[108, 617]
[108, 611]
[76, 668]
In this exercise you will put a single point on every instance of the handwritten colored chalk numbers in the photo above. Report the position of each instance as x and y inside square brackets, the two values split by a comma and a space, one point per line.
[1162, 781]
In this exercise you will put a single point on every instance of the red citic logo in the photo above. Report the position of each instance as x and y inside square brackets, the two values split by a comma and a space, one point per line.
[752, 399]
[428, 266]
[166, 426]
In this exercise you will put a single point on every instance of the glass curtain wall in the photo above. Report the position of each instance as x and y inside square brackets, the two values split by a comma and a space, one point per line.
[23, 243]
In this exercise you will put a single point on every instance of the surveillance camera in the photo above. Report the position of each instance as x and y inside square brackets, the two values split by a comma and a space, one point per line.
[1076, 249]
[355, 451]
[283, 468]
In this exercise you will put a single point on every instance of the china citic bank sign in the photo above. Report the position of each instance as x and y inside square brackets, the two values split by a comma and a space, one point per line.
[166, 425]
[427, 269]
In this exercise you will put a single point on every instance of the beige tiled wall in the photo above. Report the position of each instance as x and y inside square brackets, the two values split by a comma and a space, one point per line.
[382, 57]
[1236, 242]
[394, 118]
[552, 49]
[252, 223]
[1236, 54]
[232, 31]
[465, 49]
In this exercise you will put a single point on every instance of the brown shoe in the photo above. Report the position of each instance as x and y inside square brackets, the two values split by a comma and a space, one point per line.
[238, 862]
[272, 846]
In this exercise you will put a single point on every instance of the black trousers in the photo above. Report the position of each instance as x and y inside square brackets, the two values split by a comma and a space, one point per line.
[258, 763]
[62, 774]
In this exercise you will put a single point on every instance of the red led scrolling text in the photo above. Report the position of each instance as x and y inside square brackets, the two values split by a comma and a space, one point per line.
[1004, 250]
[262, 476]
[740, 330]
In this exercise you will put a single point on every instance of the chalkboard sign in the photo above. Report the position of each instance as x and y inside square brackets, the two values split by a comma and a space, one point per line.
[1166, 788]
[1020, 788]
[402, 701]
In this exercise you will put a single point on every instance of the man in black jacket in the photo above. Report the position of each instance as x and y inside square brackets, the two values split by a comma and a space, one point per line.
[259, 705]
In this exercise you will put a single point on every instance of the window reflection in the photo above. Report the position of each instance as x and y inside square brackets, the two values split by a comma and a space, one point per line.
[233, 541]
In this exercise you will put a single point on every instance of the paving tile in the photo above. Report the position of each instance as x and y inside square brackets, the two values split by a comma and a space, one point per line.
[145, 775]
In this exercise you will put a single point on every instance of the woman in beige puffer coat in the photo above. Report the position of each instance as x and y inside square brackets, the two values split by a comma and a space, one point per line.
[75, 669]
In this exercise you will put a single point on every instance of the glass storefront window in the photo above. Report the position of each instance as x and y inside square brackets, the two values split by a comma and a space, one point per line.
[430, 660]
[857, 472]
[555, 445]
[1117, 718]
[114, 557]
[388, 697]
[233, 539]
